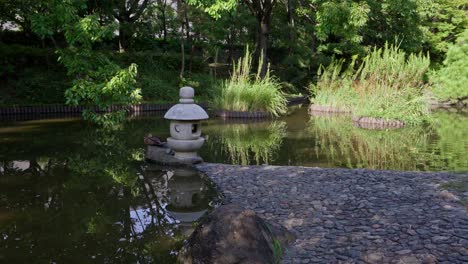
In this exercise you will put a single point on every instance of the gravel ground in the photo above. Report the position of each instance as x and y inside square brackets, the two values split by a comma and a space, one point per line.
[353, 216]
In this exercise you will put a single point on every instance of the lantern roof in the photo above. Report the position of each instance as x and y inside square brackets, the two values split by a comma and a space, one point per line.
[186, 109]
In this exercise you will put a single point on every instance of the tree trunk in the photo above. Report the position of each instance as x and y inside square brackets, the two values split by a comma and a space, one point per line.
[264, 28]
[162, 8]
[180, 14]
[164, 25]
[123, 38]
[292, 38]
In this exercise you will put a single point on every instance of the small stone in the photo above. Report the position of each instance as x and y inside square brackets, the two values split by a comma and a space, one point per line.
[439, 239]
[403, 252]
[374, 257]
[448, 195]
[409, 260]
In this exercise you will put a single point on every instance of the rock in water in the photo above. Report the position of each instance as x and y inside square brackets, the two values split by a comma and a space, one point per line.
[232, 234]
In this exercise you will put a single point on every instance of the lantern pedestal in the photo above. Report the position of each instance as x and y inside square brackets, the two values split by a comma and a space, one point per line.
[185, 149]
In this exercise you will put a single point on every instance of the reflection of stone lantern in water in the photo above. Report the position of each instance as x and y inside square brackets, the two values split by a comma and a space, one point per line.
[173, 195]
[187, 195]
[185, 128]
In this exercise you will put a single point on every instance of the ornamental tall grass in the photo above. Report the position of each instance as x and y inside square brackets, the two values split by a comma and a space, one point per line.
[386, 84]
[244, 92]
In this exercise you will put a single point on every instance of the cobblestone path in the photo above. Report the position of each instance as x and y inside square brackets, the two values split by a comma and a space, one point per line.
[353, 216]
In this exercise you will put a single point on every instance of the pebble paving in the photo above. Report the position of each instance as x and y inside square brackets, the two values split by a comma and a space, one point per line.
[353, 216]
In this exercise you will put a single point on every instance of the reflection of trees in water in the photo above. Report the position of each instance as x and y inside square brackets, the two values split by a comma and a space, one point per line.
[355, 147]
[249, 142]
[75, 192]
[440, 146]
[451, 150]
[83, 206]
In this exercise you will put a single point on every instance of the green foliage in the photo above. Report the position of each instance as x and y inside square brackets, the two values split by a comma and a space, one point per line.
[387, 84]
[98, 81]
[30, 75]
[394, 19]
[158, 75]
[341, 20]
[442, 21]
[214, 7]
[450, 82]
[302, 36]
[242, 92]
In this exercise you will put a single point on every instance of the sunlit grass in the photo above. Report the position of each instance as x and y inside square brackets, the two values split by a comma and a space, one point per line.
[387, 84]
[244, 92]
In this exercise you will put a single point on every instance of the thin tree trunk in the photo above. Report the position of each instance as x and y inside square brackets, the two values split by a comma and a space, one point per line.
[162, 9]
[182, 51]
[187, 23]
[123, 41]
[290, 8]
[263, 45]
[180, 13]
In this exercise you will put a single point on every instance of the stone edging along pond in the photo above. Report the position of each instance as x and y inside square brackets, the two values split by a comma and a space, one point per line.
[258, 114]
[241, 114]
[326, 109]
[376, 123]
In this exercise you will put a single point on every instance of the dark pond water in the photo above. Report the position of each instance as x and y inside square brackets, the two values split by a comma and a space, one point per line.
[72, 193]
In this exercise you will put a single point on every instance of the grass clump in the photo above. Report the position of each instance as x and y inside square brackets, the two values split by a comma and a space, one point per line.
[244, 92]
[386, 84]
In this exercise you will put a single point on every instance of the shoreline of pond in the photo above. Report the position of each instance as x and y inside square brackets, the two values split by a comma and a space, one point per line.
[353, 215]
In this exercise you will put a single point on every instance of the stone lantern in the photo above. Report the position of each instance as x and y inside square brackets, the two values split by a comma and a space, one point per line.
[185, 127]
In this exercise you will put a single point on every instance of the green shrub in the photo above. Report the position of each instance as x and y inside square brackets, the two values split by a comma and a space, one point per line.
[242, 92]
[450, 82]
[387, 84]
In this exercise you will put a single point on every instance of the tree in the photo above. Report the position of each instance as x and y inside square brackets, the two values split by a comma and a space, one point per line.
[260, 9]
[20, 13]
[97, 80]
[449, 82]
[126, 12]
[442, 21]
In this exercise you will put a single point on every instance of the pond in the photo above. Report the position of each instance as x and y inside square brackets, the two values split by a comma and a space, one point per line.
[70, 192]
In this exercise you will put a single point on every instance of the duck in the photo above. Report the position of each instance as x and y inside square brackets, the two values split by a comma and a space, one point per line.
[151, 140]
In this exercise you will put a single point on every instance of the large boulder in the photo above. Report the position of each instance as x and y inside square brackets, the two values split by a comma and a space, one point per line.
[232, 234]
